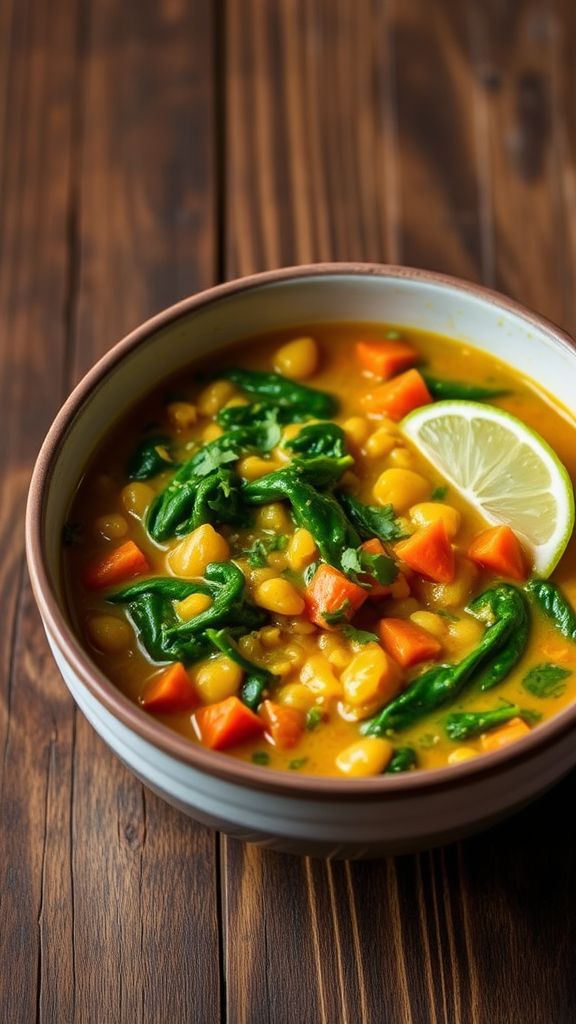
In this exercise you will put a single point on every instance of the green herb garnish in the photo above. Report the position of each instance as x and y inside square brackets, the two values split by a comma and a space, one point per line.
[339, 615]
[359, 636]
[546, 680]
[313, 718]
[438, 494]
[260, 757]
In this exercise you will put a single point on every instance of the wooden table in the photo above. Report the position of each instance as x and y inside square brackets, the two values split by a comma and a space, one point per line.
[149, 149]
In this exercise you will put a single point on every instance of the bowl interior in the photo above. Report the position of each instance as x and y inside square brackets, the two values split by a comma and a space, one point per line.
[418, 301]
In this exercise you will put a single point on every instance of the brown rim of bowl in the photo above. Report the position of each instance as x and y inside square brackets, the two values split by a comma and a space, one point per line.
[169, 742]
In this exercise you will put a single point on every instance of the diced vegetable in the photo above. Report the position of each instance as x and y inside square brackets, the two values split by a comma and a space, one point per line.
[398, 396]
[372, 677]
[171, 692]
[408, 643]
[499, 650]
[331, 593]
[121, 564]
[385, 358]
[515, 730]
[286, 725]
[499, 550]
[429, 552]
[227, 723]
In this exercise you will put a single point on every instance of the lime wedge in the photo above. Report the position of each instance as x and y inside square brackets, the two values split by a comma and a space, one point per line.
[504, 469]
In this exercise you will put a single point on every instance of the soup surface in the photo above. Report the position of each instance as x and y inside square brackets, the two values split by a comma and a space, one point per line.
[269, 565]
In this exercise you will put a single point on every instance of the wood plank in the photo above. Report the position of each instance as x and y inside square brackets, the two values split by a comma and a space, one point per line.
[523, 135]
[373, 135]
[146, 236]
[37, 68]
[107, 896]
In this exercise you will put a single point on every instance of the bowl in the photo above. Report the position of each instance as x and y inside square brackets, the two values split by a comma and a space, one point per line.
[327, 817]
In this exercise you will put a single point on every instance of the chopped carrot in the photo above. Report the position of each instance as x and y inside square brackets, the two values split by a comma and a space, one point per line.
[329, 591]
[398, 396]
[408, 643]
[514, 730]
[499, 550]
[385, 358]
[429, 553]
[227, 723]
[285, 725]
[172, 691]
[121, 564]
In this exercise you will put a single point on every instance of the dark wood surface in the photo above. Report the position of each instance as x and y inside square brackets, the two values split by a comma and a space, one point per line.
[149, 149]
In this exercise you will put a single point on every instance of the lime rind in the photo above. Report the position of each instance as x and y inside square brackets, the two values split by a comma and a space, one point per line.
[503, 468]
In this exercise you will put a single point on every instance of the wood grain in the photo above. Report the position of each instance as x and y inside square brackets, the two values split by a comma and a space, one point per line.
[36, 718]
[108, 897]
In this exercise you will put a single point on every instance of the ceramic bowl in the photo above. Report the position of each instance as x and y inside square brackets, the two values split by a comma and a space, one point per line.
[296, 813]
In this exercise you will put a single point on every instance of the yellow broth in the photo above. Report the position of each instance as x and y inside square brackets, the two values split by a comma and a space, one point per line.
[101, 521]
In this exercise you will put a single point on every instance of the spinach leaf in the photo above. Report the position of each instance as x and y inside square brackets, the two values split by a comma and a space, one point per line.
[163, 636]
[457, 389]
[546, 680]
[152, 456]
[319, 439]
[284, 392]
[174, 505]
[403, 760]
[371, 520]
[463, 725]
[498, 651]
[319, 513]
[555, 606]
[217, 499]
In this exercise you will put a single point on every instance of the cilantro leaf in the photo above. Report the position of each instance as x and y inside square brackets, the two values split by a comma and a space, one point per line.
[258, 551]
[350, 560]
[297, 763]
[438, 494]
[546, 680]
[382, 568]
[359, 636]
[371, 520]
[355, 561]
[210, 459]
[313, 718]
[338, 615]
[260, 757]
[310, 571]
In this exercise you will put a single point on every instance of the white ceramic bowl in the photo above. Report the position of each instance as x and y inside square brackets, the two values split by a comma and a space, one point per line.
[295, 813]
